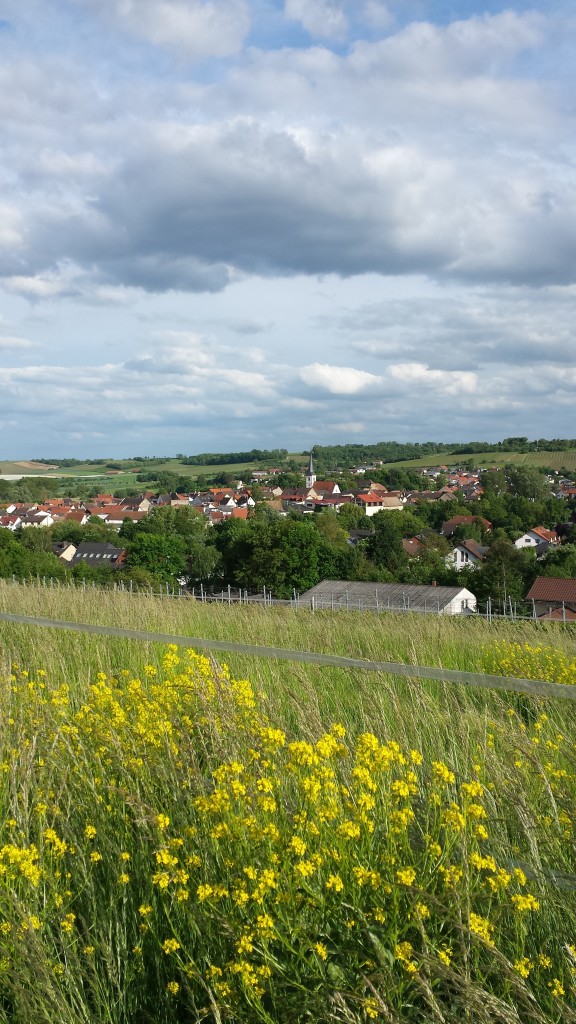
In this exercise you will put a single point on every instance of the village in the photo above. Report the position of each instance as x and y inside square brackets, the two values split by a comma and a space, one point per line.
[391, 563]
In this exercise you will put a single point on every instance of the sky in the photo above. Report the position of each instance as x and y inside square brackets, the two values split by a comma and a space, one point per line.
[228, 224]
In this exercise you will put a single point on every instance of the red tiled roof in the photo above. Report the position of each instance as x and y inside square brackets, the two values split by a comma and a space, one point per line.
[412, 546]
[552, 588]
[550, 535]
[456, 521]
[371, 498]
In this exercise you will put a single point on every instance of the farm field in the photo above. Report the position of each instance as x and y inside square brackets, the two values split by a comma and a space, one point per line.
[553, 460]
[99, 472]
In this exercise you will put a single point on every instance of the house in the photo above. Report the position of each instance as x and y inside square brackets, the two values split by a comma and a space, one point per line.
[64, 550]
[10, 522]
[342, 595]
[37, 519]
[443, 495]
[373, 503]
[104, 499]
[466, 554]
[140, 504]
[413, 546]
[451, 525]
[333, 501]
[116, 517]
[80, 516]
[553, 597]
[98, 554]
[326, 487]
[539, 537]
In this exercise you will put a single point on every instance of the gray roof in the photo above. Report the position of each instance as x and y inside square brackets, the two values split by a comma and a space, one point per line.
[379, 596]
[97, 553]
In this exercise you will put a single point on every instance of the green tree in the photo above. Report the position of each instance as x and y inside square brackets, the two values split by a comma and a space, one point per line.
[506, 573]
[351, 517]
[384, 546]
[162, 554]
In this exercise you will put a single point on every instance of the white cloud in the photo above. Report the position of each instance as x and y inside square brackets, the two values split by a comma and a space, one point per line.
[338, 380]
[8, 343]
[473, 45]
[10, 227]
[377, 14]
[324, 19]
[425, 176]
[199, 28]
[418, 375]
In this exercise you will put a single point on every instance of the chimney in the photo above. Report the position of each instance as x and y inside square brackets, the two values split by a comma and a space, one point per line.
[433, 584]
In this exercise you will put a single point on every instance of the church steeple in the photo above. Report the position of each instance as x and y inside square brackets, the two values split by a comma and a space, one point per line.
[310, 474]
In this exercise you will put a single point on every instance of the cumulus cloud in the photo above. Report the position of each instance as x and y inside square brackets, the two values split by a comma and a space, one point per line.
[338, 380]
[377, 14]
[419, 375]
[332, 168]
[422, 169]
[476, 329]
[8, 344]
[199, 28]
[324, 19]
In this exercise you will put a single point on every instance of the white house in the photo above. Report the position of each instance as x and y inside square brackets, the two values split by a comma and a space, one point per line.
[538, 537]
[373, 503]
[465, 554]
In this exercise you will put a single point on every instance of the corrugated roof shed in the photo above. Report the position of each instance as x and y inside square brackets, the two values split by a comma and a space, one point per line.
[380, 596]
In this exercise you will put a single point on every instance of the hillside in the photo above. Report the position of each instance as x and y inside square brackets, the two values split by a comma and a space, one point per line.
[284, 843]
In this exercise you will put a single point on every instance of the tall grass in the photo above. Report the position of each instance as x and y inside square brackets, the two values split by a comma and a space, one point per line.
[315, 845]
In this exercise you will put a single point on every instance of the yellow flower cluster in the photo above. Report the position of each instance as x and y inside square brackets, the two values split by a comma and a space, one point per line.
[240, 857]
[526, 661]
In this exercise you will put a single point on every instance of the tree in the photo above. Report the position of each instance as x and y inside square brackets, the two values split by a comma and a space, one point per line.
[506, 574]
[384, 546]
[351, 517]
[290, 481]
[527, 482]
[164, 555]
[331, 529]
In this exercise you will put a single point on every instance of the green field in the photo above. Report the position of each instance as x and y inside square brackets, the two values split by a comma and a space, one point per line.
[286, 844]
[98, 472]
[553, 460]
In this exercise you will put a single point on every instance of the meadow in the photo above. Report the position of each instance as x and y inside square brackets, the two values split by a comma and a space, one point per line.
[125, 476]
[483, 460]
[182, 841]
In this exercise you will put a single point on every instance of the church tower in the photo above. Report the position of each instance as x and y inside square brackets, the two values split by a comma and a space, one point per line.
[310, 474]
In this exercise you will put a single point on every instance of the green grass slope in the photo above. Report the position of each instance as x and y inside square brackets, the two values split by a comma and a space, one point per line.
[282, 843]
